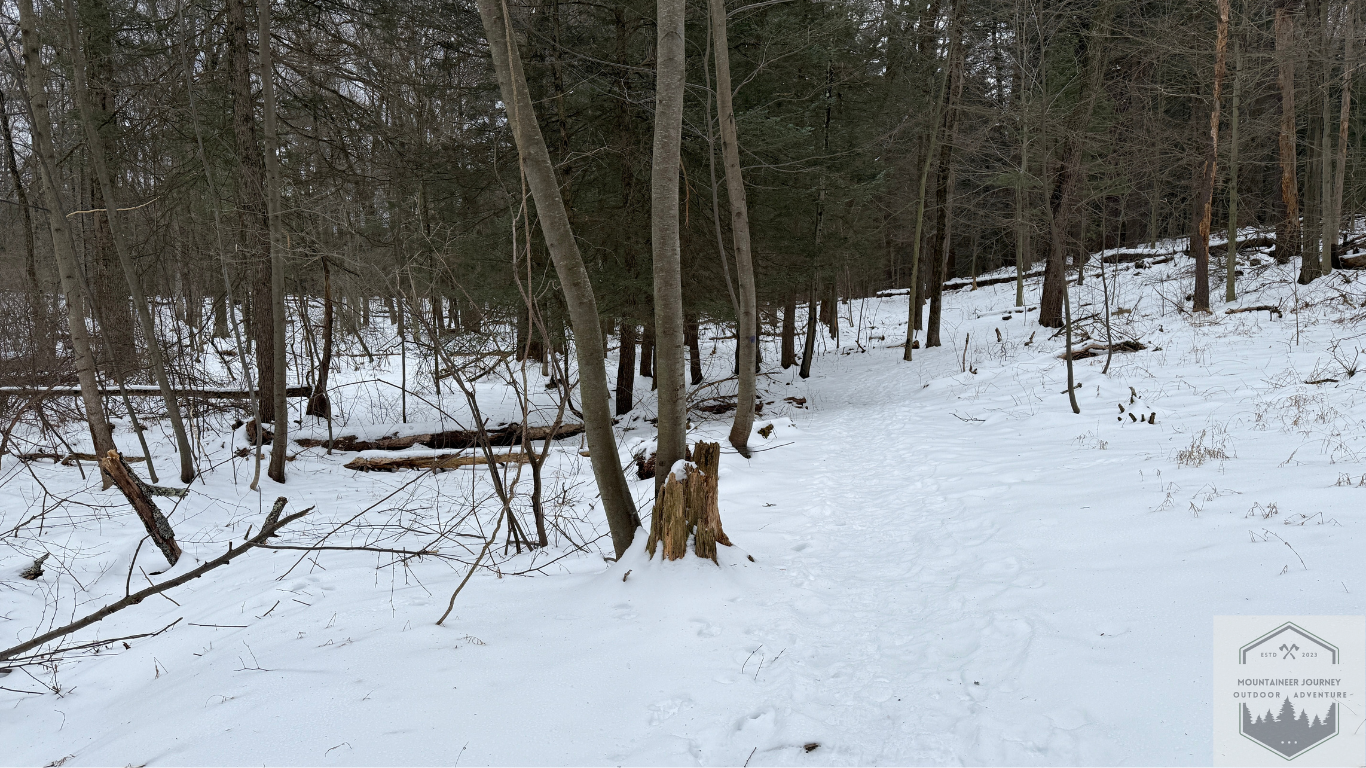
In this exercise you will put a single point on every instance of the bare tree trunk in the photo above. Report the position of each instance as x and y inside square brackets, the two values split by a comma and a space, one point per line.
[647, 351]
[1288, 228]
[1204, 193]
[63, 249]
[789, 356]
[319, 404]
[691, 332]
[1327, 224]
[578, 291]
[746, 337]
[809, 346]
[95, 146]
[252, 215]
[1231, 260]
[913, 321]
[280, 445]
[626, 368]
[1348, 67]
[37, 304]
[670, 77]
[939, 257]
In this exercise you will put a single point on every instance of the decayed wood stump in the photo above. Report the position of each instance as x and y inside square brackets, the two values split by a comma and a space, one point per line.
[139, 495]
[690, 506]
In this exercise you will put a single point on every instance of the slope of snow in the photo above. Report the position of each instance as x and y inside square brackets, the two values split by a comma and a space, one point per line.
[948, 566]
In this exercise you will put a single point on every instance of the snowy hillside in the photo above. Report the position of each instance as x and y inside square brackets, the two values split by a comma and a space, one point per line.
[936, 562]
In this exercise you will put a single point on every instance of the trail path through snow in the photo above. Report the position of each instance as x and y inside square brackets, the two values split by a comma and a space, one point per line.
[948, 568]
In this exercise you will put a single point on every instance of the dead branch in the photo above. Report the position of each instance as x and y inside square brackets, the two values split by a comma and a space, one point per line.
[272, 524]
[1270, 308]
[139, 495]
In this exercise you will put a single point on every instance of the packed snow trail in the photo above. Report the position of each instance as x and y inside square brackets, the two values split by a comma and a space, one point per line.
[948, 568]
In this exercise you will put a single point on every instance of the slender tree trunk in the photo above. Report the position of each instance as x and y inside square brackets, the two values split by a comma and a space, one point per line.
[647, 351]
[37, 304]
[664, 238]
[319, 404]
[1204, 193]
[564, 253]
[276, 471]
[691, 332]
[1327, 224]
[809, 346]
[1288, 228]
[944, 194]
[252, 214]
[626, 368]
[913, 322]
[746, 336]
[789, 356]
[63, 249]
[95, 146]
[1344, 118]
[1231, 260]
[1021, 225]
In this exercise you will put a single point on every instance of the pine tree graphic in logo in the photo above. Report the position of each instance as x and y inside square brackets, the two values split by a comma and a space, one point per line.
[1289, 734]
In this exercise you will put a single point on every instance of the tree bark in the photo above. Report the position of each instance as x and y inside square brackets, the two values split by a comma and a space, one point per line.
[140, 498]
[95, 147]
[63, 249]
[1344, 117]
[809, 346]
[944, 193]
[318, 403]
[747, 339]
[626, 368]
[1231, 260]
[789, 354]
[1204, 192]
[564, 253]
[1288, 228]
[252, 216]
[691, 332]
[670, 75]
[913, 321]
[37, 303]
[278, 448]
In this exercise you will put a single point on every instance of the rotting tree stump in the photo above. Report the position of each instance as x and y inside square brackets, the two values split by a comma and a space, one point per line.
[689, 505]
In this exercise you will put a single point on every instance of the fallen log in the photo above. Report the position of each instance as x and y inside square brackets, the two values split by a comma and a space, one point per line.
[148, 391]
[68, 459]
[983, 282]
[1353, 262]
[456, 439]
[446, 461]
[1269, 308]
[1096, 349]
[139, 495]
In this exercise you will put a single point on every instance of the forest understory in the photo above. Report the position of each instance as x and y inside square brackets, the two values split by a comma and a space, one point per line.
[934, 562]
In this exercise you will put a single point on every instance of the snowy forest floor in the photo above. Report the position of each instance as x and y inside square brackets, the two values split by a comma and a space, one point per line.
[949, 566]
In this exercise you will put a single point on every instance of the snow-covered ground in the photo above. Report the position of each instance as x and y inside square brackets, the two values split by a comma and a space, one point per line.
[948, 565]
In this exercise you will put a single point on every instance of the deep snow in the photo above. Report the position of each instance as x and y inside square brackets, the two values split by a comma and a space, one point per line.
[948, 566]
